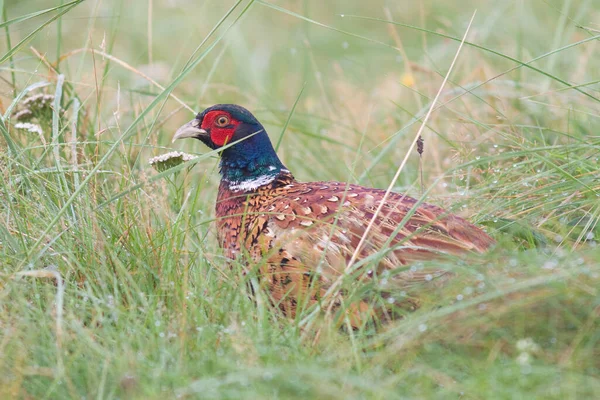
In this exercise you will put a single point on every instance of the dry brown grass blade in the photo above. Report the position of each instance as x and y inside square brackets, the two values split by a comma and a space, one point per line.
[409, 151]
[331, 292]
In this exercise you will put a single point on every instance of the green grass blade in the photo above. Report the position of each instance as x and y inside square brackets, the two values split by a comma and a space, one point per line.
[287, 121]
[63, 10]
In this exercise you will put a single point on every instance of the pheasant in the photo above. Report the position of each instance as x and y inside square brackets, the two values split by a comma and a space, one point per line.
[302, 235]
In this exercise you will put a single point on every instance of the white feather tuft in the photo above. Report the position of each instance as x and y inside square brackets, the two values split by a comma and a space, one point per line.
[251, 184]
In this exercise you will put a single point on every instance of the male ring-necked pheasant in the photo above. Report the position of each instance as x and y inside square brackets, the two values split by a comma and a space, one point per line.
[303, 234]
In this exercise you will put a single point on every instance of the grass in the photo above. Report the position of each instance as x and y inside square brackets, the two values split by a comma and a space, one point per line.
[111, 282]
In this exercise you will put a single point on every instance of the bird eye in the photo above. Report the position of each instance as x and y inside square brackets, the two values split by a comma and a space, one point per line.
[222, 121]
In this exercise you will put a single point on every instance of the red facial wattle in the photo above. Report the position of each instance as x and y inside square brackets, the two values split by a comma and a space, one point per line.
[220, 135]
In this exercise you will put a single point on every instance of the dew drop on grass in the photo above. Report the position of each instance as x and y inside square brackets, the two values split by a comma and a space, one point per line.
[422, 328]
[585, 270]
[459, 297]
[267, 376]
[524, 359]
[558, 238]
[391, 300]
[345, 45]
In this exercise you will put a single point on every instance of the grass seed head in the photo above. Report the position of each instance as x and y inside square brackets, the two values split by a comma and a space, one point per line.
[169, 160]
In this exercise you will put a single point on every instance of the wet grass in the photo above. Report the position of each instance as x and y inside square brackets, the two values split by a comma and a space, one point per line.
[111, 283]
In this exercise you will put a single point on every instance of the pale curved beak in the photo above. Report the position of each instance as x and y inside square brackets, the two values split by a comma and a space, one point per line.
[190, 130]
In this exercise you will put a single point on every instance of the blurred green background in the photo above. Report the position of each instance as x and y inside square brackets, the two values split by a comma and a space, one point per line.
[358, 75]
[111, 282]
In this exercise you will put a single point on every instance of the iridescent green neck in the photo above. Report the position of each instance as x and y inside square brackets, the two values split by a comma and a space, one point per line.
[250, 164]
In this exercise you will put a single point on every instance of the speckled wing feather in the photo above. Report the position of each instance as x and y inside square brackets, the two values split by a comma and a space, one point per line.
[299, 231]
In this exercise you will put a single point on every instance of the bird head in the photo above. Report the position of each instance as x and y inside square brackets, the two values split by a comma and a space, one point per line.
[243, 164]
[221, 124]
